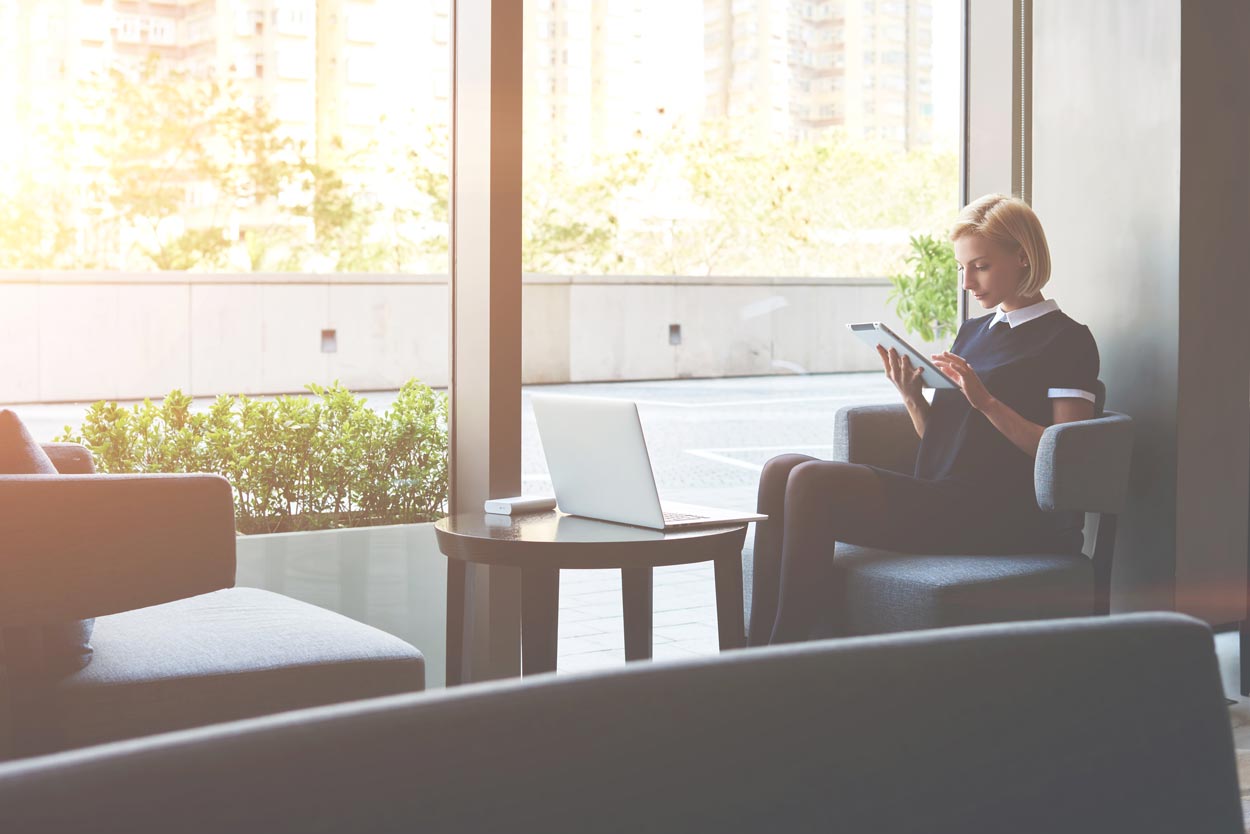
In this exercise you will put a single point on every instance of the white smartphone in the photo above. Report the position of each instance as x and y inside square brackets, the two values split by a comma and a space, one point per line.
[875, 333]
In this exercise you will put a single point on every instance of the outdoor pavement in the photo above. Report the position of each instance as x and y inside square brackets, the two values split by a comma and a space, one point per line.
[708, 440]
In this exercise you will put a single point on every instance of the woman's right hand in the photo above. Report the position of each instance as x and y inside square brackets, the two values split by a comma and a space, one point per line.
[906, 379]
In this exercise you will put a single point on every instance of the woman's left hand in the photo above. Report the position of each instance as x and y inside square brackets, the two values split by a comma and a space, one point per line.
[961, 374]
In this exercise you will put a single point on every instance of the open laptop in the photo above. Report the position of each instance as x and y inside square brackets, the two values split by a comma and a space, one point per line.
[599, 466]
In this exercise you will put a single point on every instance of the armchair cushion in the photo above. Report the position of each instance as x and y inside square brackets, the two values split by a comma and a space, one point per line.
[58, 647]
[880, 591]
[222, 656]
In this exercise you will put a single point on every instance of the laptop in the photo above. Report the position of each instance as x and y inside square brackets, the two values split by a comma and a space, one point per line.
[597, 457]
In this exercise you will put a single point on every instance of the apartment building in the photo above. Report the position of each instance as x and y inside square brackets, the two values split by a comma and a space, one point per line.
[10, 43]
[329, 69]
[339, 76]
[601, 75]
[799, 68]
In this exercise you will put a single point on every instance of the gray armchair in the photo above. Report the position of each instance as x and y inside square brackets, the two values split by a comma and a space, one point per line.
[152, 558]
[1081, 468]
[1112, 724]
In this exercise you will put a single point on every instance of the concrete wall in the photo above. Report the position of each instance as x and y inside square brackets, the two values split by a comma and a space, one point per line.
[84, 336]
[1141, 176]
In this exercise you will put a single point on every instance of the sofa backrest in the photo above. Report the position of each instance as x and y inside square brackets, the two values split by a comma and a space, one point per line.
[1105, 724]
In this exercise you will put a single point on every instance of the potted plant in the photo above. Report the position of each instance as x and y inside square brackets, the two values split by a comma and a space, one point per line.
[926, 299]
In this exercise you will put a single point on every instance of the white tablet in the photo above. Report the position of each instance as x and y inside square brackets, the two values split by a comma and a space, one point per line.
[875, 333]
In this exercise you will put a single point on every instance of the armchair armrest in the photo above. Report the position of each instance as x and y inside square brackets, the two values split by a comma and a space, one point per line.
[1084, 465]
[83, 546]
[69, 458]
[877, 435]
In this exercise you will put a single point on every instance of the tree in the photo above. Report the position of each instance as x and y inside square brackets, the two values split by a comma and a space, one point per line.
[179, 156]
[342, 216]
[713, 201]
[420, 226]
[570, 225]
[36, 226]
[732, 209]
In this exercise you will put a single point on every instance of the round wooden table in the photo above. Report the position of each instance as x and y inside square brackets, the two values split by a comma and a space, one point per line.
[542, 544]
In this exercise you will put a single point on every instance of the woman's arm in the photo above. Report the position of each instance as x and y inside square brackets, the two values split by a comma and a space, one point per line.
[918, 410]
[908, 381]
[1025, 434]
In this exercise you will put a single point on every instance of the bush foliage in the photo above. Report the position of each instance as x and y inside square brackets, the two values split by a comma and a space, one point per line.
[295, 462]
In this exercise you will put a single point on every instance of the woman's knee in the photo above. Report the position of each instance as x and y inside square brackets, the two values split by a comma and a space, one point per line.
[778, 469]
[825, 479]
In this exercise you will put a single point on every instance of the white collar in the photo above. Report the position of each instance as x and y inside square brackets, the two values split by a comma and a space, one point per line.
[1015, 318]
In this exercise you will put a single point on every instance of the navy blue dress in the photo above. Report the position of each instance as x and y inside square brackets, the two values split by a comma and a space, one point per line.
[972, 490]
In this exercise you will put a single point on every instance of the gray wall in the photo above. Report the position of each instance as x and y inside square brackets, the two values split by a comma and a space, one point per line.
[1140, 176]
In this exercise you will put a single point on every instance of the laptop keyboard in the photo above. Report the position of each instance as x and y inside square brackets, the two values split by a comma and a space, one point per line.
[671, 517]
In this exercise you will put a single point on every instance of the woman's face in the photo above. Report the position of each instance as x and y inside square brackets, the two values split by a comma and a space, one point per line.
[990, 272]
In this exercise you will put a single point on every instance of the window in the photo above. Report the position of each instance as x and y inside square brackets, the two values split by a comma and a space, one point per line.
[293, 20]
[294, 187]
[129, 29]
[296, 62]
[362, 67]
[163, 32]
[362, 24]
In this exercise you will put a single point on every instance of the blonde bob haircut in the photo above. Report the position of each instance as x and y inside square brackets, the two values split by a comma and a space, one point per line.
[1011, 223]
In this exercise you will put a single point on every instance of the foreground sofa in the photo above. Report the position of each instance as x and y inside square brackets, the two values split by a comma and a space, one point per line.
[1083, 725]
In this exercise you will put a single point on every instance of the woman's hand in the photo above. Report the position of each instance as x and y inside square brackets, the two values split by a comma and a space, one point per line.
[900, 371]
[961, 374]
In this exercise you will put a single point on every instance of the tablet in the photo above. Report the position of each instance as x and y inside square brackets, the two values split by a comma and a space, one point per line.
[875, 333]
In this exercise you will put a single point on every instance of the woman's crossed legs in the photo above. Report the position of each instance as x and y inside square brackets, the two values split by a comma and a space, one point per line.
[811, 505]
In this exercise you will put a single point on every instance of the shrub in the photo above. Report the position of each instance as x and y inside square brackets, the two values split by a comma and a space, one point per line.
[927, 300]
[295, 462]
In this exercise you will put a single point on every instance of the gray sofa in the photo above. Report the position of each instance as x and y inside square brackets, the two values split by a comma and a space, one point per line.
[1084, 725]
[152, 558]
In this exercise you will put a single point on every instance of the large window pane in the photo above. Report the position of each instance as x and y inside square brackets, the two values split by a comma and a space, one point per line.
[712, 191]
[239, 201]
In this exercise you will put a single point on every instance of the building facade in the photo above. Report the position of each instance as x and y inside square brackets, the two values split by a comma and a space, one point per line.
[800, 68]
[598, 78]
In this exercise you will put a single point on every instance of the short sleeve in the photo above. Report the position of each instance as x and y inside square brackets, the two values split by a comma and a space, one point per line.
[1073, 365]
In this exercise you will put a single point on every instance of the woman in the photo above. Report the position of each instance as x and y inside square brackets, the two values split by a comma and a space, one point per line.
[1019, 369]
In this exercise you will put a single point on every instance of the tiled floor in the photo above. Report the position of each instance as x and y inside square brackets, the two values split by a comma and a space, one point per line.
[592, 630]
[1228, 649]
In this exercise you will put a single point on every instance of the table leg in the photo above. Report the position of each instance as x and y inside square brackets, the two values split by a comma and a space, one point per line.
[455, 621]
[1244, 644]
[729, 614]
[637, 605]
[540, 618]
